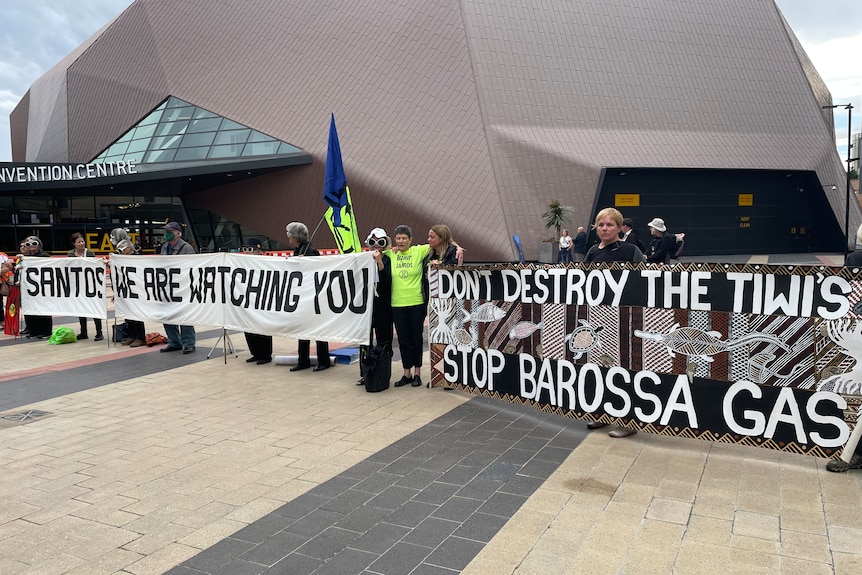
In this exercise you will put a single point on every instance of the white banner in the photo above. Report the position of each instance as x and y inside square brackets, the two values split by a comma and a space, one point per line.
[64, 286]
[321, 298]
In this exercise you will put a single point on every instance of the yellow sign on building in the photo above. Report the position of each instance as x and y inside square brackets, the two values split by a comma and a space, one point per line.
[746, 199]
[627, 200]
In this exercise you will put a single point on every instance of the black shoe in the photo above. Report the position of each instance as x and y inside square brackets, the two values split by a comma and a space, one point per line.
[403, 381]
[596, 425]
[169, 348]
[83, 336]
[40, 337]
[299, 366]
[361, 381]
[321, 367]
[99, 337]
[252, 359]
[24, 332]
[263, 361]
[188, 350]
[417, 381]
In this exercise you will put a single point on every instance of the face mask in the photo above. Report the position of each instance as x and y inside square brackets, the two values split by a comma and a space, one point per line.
[169, 237]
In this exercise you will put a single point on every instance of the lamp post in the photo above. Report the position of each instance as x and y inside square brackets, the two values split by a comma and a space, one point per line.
[849, 108]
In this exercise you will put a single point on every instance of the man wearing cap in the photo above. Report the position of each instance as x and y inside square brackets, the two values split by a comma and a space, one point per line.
[180, 337]
[662, 244]
[259, 346]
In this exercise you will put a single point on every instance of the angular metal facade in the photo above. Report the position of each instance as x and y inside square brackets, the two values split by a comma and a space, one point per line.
[474, 113]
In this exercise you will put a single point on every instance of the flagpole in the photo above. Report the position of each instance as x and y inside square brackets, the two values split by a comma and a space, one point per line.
[323, 219]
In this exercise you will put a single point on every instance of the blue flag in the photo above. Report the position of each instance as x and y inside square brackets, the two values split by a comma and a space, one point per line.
[339, 215]
[334, 184]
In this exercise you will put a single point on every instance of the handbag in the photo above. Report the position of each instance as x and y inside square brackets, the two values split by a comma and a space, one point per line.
[378, 364]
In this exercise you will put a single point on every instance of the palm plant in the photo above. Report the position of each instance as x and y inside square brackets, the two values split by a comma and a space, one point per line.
[557, 216]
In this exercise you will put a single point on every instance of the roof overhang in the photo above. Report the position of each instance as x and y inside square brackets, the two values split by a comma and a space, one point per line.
[174, 178]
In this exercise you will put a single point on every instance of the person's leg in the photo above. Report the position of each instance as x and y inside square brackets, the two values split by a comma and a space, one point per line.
[251, 342]
[401, 318]
[322, 356]
[187, 338]
[304, 351]
[172, 333]
[82, 333]
[417, 329]
[99, 335]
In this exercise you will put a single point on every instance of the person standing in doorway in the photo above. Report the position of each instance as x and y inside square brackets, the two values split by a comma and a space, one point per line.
[180, 337]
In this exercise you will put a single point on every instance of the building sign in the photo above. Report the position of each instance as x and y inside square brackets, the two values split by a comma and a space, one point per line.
[746, 199]
[627, 200]
[755, 355]
[62, 172]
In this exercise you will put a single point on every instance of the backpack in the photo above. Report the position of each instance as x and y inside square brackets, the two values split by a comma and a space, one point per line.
[677, 248]
[155, 339]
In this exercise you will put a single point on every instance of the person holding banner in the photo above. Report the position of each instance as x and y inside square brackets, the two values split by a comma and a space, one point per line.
[297, 235]
[180, 337]
[38, 326]
[381, 311]
[408, 301]
[80, 250]
[259, 346]
[608, 224]
[136, 335]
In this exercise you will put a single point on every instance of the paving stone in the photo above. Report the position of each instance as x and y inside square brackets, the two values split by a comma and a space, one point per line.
[400, 559]
[348, 562]
[431, 532]
[314, 522]
[503, 504]
[455, 553]
[265, 527]
[393, 497]
[218, 555]
[481, 527]
[326, 544]
[411, 514]
[274, 549]
[363, 518]
[418, 479]
[457, 509]
[380, 538]
[436, 493]
[347, 501]
[295, 564]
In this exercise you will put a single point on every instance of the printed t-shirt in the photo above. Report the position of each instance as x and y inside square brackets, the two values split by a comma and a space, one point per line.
[407, 270]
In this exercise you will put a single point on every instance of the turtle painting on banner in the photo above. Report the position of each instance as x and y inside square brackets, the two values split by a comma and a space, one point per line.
[766, 356]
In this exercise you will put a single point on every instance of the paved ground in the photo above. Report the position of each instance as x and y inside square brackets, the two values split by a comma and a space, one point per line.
[163, 463]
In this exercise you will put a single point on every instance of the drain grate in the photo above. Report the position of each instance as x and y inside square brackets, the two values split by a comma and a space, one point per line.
[24, 416]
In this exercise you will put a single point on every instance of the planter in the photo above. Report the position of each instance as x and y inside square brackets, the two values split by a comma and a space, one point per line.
[548, 252]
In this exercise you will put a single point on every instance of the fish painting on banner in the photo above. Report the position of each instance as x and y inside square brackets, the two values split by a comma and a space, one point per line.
[755, 355]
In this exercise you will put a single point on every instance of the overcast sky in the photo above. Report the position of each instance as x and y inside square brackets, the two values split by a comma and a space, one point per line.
[36, 34]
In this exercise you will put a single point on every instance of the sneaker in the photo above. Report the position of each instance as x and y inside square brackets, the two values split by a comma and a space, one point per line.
[622, 432]
[417, 381]
[83, 336]
[99, 337]
[840, 466]
[137, 343]
[127, 341]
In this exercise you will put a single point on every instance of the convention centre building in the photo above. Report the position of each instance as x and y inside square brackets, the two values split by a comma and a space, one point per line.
[471, 113]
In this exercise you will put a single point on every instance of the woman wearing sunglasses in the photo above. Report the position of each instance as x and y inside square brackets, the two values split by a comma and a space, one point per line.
[38, 326]
[381, 314]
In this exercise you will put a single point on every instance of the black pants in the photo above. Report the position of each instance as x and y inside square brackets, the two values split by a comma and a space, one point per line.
[83, 322]
[39, 325]
[305, 352]
[259, 346]
[135, 329]
[409, 323]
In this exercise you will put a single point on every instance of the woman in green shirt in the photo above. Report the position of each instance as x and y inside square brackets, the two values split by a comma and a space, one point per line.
[408, 301]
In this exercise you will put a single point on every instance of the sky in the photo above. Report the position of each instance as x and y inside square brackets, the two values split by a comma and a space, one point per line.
[38, 33]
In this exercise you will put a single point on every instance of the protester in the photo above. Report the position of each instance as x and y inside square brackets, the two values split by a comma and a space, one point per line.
[630, 235]
[610, 248]
[565, 255]
[408, 302]
[579, 245]
[259, 346]
[7, 268]
[80, 250]
[297, 235]
[38, 326]
[661, 247]
[444, 251]
[136, 335]
[180, 337]
[381, 315]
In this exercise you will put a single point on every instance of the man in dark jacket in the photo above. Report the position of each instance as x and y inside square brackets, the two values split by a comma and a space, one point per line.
[662, 244]
[630, 235]
[579, 247]
[180, 337]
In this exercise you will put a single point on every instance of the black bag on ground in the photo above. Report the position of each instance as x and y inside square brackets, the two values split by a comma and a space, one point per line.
[378, 368]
